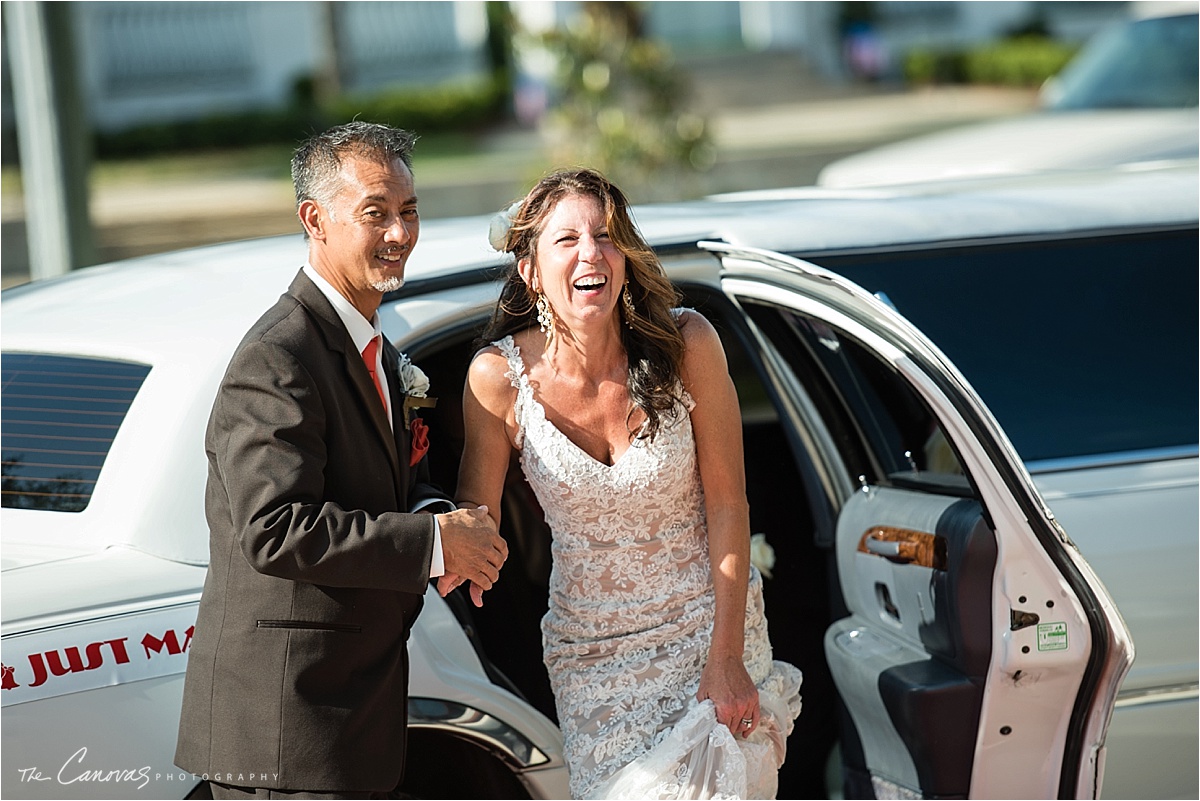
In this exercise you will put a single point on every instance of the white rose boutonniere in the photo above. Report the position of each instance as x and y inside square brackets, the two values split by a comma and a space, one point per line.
[412, 378]
[415, 385]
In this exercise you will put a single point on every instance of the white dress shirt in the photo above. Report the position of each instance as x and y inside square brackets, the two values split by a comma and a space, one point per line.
[362, 331]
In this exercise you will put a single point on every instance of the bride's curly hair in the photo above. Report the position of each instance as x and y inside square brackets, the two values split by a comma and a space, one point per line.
[651, 336]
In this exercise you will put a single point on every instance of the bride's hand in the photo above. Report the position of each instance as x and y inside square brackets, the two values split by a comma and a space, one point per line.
[726, 682]
[449, 582]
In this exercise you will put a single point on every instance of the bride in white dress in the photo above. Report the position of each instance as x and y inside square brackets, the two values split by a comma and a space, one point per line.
[628, 430]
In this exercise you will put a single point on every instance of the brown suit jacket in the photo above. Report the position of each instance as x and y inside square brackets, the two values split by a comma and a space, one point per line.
[297, 673]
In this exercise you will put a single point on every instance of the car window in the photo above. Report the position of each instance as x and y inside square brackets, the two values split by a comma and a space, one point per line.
[887, 434]
[61, 415]
[1146, 64]
[1079, 347]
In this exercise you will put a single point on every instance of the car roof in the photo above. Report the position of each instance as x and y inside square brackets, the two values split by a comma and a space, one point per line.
[145, 308]
[1033, 205]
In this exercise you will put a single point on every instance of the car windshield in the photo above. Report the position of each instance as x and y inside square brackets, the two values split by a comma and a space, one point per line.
[1150, 63]
[61, 414]
[1080, 348]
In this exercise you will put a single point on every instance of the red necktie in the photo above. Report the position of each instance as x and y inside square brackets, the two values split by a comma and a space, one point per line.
[370, 357]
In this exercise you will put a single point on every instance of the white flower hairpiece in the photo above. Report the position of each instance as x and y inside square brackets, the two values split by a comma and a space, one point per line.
[500, 225]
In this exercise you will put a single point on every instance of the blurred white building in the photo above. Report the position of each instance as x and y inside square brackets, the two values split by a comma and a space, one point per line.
[152, 61]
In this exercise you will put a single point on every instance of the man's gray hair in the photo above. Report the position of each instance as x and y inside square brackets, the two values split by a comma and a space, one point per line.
[316, 163]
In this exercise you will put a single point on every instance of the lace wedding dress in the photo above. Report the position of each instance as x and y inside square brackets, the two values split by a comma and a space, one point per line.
[630, 619]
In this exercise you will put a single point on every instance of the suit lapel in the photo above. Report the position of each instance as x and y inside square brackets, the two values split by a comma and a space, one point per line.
[354, 372]
[391, 363]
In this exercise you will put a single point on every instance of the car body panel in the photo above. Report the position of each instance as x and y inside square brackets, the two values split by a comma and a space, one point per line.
[1143, 512]
[118, 731]
[105, 582]
[1137, 525]
[1136, 740]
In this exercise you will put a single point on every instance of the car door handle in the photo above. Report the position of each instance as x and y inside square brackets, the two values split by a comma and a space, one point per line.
[905, 546]
[884, 548]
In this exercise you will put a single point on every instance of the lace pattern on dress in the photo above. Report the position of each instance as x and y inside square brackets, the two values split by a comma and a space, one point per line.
[631, 599]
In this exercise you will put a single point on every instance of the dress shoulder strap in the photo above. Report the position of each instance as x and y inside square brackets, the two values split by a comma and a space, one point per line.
[516, 376]
[678, 311]
[511, 353]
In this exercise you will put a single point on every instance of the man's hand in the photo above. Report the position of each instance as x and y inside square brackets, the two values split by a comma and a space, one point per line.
[472, 550]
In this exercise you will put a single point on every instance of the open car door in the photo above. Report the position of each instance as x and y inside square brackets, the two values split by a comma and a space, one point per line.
[978, 655]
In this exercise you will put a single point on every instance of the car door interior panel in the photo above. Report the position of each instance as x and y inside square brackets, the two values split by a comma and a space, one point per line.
[911, 659]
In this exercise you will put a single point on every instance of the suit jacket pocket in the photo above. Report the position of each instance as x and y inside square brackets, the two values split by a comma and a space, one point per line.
[309, 625]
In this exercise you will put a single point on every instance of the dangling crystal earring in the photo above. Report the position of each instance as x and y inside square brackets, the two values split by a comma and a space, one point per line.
[545, 317]
[630, 311]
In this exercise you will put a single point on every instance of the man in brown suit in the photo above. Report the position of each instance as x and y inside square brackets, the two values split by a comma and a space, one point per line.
[297, 675]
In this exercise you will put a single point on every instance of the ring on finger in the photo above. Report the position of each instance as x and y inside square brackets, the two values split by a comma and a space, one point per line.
[747, 722]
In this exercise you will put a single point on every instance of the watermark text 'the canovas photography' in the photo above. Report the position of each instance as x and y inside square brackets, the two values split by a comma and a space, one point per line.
[76, 769]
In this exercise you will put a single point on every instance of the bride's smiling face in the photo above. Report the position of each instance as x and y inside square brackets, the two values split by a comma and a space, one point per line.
[576, 264]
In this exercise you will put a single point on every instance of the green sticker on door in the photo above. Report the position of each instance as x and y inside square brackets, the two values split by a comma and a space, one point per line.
[1052, 636]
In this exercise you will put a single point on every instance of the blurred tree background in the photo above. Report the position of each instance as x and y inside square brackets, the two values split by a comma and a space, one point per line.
[623, 105]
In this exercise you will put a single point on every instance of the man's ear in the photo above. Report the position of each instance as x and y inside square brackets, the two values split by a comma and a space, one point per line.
[313, 218]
